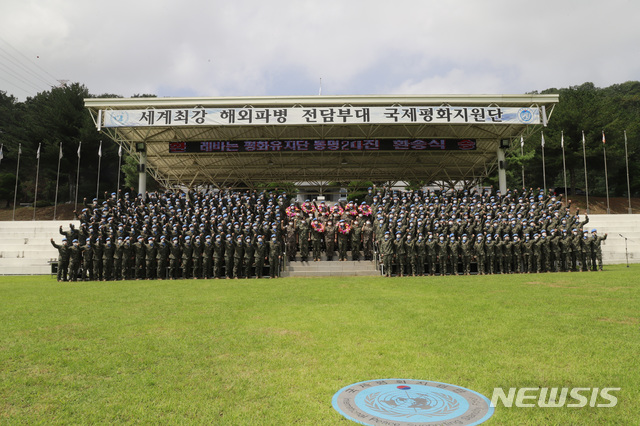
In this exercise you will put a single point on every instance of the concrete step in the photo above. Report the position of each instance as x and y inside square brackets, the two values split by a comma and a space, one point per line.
[332, 274]
[21, 270]
[29, 254]
[326, 268]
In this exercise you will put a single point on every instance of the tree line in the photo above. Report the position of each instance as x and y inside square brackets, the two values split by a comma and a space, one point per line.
[59, 116]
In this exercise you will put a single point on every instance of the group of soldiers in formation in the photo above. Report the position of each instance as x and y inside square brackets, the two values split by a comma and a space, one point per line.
[230, 234]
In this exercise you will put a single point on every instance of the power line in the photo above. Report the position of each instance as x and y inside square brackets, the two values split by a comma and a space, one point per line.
[30, 60]
[16, 86]
[15, 61]
[21, 73]
[16, 76]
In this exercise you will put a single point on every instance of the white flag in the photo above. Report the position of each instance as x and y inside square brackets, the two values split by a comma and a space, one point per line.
[60, 155]
[583, 138]
[79, 145]
[100, 150]
[521, 142]
[562, 140]
[120, 151]
[20, 149]
[542, 139]
[1, 153]
[38, 153]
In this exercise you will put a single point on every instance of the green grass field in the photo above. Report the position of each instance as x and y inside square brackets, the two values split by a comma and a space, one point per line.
[275, 351]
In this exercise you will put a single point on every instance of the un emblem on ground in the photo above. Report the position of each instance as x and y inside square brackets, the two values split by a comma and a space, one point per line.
[411, 402]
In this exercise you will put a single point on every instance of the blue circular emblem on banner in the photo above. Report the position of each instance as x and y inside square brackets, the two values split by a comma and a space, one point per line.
[525, 115]
[411, 402]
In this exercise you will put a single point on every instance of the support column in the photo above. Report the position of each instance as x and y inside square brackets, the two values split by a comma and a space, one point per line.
[502, 173]
[142, 173]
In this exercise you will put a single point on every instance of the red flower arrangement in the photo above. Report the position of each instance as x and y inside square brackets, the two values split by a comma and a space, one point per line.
[351, 209]
[322, 208]
[308, 208]
[365, 210]
[337, 209]
[344, 228]
[292, 211]
[317, 226]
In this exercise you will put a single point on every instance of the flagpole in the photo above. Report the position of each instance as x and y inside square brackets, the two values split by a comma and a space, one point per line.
[15, 191]
[119, 167]
[522, 155]
[544, 172]
[35, 199]
[99, 161]
[586, 181]
[564, 165]
[606, 176]
[55, 203]
[626, 158]
[78, 175]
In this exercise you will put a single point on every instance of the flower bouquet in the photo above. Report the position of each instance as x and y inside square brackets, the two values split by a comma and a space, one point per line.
[344, 228]
[317, 226]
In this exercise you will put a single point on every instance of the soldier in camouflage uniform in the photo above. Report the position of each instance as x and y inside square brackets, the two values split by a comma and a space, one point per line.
[175, 254]
[356, 240]
[196, 258]
[453, 252]
[218, 257]
[547, 252]
[527, 251]
[367, 240]
[517, 254]
[151, 255]
[139, 250]
[304, 230]
[187, 257]
[537, 252]
[87, 260]
[466, 250]
[421, 254]
[229, 250]
[316, 239]
[162, 257]
[585, 249]
[290, 241]
[410, 247]
[480, 254]
[117, 259]
[431, 247]
[596, 249]
[108, 250]
[75, 259]
[330, 240]
[249, 253]
[260, 253]
[576, 249]
[127, 259]
[98, 248]
[400, 253]
[275, 254]
[386, 253]
[238, 257]
[490, 249]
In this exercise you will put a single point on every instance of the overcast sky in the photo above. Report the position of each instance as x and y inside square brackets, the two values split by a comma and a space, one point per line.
[277, 47]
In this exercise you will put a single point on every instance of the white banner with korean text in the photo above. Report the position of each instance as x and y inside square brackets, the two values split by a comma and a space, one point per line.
[319, 115]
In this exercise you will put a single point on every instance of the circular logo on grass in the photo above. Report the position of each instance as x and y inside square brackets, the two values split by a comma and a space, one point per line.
[411, 402]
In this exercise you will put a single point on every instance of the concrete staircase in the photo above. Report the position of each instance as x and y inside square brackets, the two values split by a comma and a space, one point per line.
[25, 248]
[613, 248]
[333, 268]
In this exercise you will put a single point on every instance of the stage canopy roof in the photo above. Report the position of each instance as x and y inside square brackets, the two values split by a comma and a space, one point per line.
[242, 141]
